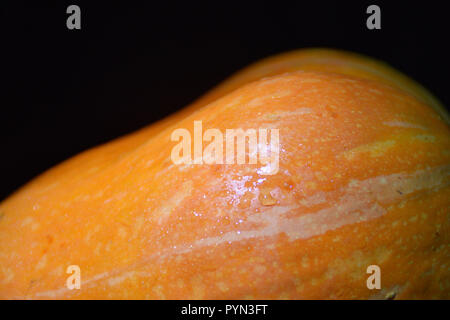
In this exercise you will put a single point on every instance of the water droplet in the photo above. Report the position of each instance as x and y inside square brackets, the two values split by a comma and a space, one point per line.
[266, 198]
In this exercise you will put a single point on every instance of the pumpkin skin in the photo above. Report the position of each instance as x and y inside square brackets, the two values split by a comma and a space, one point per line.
[363, 180]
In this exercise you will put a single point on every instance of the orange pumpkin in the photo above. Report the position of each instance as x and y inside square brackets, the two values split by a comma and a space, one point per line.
[363, 180]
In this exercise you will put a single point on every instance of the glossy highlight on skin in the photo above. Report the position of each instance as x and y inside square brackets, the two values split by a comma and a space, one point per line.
[363, 179]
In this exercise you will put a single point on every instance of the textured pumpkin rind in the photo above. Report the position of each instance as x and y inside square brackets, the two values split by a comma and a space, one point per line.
[363, 179]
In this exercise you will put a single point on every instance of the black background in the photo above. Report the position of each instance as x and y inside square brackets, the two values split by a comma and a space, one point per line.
[64, 91]
[276, 309]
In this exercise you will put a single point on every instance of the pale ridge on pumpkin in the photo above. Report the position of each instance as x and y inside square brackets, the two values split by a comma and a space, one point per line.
[361, 201]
